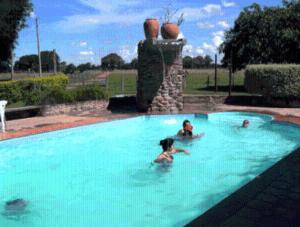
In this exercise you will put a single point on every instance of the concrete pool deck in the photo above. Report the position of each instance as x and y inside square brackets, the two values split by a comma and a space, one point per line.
[272, 199]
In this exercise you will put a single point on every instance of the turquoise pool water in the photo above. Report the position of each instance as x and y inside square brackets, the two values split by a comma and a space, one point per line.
[99, 175]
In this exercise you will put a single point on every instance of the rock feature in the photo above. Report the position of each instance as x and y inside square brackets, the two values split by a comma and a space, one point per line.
[160, 76]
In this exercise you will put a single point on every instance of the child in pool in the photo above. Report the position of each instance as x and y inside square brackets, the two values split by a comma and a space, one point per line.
[187, 131]
[168, 150]
[245, 124]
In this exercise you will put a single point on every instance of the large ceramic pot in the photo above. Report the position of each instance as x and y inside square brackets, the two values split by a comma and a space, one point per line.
[169, 31]
[151, 28]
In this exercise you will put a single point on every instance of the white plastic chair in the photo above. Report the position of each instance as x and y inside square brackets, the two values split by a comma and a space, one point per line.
[2, 113]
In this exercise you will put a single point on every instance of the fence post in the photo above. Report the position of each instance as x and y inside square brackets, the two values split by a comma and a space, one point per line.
[123, 83]
[107, 83]
[230, 80]
[216, 83]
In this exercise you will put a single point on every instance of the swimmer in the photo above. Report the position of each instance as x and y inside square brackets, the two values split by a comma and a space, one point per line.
[245, 124]
[187, 131]
[168, 150]
[16, 205]
[15, 209]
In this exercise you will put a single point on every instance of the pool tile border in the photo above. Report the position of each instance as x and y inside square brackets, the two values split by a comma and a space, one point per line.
[94, 120]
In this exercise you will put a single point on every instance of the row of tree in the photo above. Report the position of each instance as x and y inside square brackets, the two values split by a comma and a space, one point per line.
[109, 62]
[198, 62]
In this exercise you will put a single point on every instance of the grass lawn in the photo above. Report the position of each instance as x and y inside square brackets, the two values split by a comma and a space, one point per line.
[196, 83]
[15, 105]
[115, 83]
[202, 82]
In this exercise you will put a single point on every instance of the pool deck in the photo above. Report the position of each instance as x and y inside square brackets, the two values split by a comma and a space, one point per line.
[271, 199]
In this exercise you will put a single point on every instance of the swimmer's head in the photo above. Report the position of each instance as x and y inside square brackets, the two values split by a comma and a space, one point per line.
[245, 124]
[166, 143]
[187, 125]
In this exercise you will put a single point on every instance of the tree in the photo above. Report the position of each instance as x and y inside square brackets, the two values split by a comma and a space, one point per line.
[31, 62]
[87, 66]
[111, 62]
[27, 62]
[207, 61]
[13, 15]
[47, 60]
[264, 35]
[198, 62]
[187, 62]
[134, 63]
[70, 69]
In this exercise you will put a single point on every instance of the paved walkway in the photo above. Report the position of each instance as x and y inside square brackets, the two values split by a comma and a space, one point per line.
[272, 199]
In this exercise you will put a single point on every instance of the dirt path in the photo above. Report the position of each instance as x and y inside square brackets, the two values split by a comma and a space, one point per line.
[103, 75]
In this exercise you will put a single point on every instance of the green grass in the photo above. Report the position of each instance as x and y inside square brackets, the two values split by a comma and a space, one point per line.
[202, 82]
[115, 83]
[15, 105]
[196, 83]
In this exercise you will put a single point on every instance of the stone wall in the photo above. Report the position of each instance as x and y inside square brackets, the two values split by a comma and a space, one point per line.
[160, 76]
[74, 108]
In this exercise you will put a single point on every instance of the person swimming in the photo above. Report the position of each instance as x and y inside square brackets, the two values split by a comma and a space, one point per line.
[168, 149]
[187, 131]
[245, 124]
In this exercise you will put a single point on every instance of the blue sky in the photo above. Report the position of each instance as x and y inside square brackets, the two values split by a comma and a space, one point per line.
[86, 30]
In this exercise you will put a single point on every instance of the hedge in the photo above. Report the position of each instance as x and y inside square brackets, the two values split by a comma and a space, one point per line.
[282, 81]
[57, 95]
[30, 90]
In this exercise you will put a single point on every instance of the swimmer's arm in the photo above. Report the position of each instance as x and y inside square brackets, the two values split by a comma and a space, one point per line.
[198, 136]
[182, 150]
[180, 132]
[161, 157]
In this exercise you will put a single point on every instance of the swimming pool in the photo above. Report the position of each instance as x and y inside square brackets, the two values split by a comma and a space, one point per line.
[100, 175]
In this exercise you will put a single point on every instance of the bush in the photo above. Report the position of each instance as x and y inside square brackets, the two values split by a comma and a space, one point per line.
[89, 92]
[57, 95]
[282, 81]
[30, 90]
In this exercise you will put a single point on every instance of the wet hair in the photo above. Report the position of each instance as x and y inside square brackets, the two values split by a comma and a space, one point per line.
[17, 204]
[166, 143]
[246, 122]
[185, 122]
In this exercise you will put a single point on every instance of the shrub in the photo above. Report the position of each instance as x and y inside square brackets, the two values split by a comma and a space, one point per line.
[30, 90]
[57, 95]
[89, 92]
[281, 81]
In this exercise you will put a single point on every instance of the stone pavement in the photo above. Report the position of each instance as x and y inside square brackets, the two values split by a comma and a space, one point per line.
[272, 199]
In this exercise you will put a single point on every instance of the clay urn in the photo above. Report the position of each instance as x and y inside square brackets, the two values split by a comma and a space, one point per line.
[151, 28]
[169, 31]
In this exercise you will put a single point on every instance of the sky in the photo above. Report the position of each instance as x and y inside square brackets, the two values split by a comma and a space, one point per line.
[86, 30]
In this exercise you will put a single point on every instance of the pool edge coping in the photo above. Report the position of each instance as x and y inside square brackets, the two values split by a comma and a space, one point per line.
[95, 120]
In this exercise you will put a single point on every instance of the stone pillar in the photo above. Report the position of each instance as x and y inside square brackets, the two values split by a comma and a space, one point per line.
[160, 76]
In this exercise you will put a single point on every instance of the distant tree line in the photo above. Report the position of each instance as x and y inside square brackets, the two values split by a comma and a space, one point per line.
[198, 62]
[109, 62]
